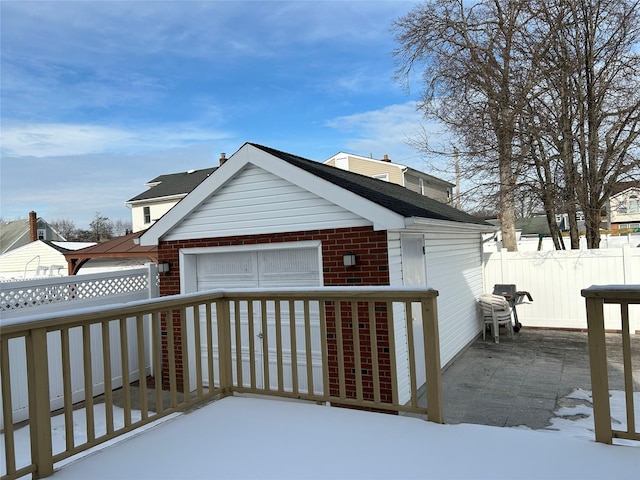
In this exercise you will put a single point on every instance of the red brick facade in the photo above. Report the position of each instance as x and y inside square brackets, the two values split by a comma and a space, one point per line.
[372, 269]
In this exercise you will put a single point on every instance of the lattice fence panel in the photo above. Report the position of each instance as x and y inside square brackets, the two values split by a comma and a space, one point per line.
[37, 295]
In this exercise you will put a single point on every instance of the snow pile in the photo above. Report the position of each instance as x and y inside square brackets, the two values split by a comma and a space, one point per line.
[577, 420]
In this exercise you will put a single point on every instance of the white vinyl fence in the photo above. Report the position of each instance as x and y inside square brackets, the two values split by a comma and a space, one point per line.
[555, 279]
[23, 301]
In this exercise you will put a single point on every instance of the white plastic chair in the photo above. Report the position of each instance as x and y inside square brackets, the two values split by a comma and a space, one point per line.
[496, 311]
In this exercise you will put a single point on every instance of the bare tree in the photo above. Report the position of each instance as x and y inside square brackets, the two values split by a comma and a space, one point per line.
[541, 94]
[585, 118]
[64, 227]
[609, 102]
[101, 228]
[121, 227]
[476, 80]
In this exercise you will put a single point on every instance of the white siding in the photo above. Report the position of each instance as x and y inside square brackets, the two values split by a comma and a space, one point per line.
[395, 279]
[255, 202]
[454, 268]
[33, 255]
[157, 210]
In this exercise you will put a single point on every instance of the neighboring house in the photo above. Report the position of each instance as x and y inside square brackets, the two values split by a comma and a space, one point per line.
[116, 254]
[37, 259]
[267, 218]
[163, 193]
[624, 206]
[389, 171]
[20, 232]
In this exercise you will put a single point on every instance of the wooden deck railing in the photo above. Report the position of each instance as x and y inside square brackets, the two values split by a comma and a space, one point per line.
[596, 297]
[351, 346]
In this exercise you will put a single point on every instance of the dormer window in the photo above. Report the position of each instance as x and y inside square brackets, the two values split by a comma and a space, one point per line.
[634, 204]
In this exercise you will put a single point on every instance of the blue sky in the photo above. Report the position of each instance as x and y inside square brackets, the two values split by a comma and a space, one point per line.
[99, 97]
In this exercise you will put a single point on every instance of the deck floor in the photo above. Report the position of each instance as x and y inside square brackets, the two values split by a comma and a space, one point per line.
[250, 438]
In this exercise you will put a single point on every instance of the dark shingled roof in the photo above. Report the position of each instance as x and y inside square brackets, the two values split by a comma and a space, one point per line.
[174, 184]
[389, 195]
[622, 186]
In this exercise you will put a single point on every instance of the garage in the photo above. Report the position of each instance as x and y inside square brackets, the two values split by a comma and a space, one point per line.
[285, 265]
[270, 219]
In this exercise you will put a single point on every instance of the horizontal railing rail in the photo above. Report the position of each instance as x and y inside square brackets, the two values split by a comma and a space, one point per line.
[354, 346]
[596, 297]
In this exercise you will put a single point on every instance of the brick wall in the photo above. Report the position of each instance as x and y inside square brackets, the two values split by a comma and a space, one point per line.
[372, 268]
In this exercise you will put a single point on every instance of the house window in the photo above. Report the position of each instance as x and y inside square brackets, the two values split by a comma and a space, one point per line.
[42, 234]
[147, 214]
[382, 176]
[634, 204]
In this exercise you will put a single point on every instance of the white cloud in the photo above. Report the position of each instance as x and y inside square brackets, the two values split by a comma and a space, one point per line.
[57, 139]
[376, 131]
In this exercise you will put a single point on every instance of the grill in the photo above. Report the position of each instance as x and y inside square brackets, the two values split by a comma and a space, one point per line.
[514, 297]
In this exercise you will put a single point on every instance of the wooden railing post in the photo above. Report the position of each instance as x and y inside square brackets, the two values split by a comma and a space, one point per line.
[39, 408]
[432, 359]
[599, 372]
[223, 321]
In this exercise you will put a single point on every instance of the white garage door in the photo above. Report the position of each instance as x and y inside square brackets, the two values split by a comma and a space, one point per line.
[268, 268]
[258, 269]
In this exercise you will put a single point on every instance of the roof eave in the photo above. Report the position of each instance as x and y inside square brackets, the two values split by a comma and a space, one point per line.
[421, 222]
[178, 196]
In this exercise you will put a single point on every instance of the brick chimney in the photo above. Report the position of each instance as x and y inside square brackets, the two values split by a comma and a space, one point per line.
[223, 158]
[33, 226]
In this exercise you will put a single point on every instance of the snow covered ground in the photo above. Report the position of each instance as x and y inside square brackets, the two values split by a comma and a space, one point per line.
[252, 438]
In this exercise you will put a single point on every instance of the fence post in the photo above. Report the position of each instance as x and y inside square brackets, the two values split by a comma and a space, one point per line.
[599, 372]
[432, 359]
[39, 407]
[154, 291]
[626, 263]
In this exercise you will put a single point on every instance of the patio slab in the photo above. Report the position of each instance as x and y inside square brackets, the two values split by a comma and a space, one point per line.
[523, 381]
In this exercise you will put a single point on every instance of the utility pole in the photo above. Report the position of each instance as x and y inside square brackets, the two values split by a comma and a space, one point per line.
[457, 164]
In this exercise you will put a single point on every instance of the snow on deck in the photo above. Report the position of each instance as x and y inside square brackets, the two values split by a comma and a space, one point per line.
[250, 438]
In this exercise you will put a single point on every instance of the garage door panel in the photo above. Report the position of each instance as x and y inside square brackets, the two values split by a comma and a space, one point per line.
[268, 269]
[227, 270]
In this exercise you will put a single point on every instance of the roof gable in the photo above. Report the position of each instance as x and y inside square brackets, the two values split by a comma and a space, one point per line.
[386, 206]
[256, 201]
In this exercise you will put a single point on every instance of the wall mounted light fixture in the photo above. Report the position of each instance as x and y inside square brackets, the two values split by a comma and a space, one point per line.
[164, 267]
[349, 259]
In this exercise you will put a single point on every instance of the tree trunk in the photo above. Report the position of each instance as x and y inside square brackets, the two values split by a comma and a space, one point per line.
[508, 211]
